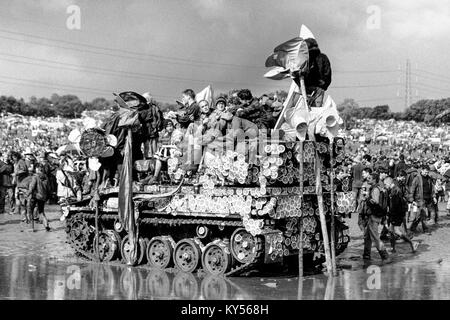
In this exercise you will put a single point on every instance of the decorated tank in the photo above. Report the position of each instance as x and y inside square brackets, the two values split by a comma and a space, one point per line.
[229, 217]
[234, 211]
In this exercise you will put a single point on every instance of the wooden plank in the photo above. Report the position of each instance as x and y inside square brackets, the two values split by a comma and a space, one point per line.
[332, 231]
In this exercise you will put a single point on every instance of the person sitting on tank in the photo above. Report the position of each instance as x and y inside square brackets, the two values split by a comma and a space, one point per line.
[214, 122]
[221, 113]
[190, 110]
[318, 76]
[248, 107]
[240, 134]
[169, 141]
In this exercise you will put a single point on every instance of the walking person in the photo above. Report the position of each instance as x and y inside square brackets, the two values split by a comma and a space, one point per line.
[429, 195]
[439, 187]
[6, 169]
[357, 178]
[411, 173]
[416, 198]
[19, 175]
[9, 185]
[397, 212]
[447, 189]
[370, 216]
[37, 194]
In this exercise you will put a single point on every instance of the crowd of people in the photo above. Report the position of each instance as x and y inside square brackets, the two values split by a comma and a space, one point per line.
[398, 193]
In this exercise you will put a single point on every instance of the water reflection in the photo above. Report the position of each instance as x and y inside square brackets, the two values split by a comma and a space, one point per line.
[35, 278]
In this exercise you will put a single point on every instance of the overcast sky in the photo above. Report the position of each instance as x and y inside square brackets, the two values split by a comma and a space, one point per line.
[167, 46]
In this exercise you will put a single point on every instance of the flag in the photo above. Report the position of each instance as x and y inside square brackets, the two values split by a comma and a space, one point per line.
[288, 57]
[283, 52]
[205, 94]
[126, 205]
[305, 33]
[277, 73]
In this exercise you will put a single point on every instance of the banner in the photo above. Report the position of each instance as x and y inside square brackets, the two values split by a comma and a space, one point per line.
[126, 205]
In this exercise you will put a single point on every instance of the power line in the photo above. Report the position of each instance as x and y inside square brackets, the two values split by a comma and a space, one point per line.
[137, 75]
[436, 91]
[62, 87]
[378, 99]
[39, 22]
[433, 74]
[147, 56]
[137, 55]
[365, 86]
[365, 71]
[122, 73]
[433, 87]
[432, 78]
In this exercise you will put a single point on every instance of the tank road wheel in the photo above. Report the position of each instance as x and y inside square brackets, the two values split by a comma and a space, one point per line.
[244, 247]
[159, 252]
[108, 245]
[125, 250]
[187, 255]
[216, 258]
[185, 286]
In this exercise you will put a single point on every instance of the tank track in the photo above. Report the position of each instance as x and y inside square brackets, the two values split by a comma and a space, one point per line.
[179, 221]
[235, 270]
[249, 265]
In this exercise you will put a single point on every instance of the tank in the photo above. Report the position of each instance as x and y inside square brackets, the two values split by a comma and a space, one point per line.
[228, 218]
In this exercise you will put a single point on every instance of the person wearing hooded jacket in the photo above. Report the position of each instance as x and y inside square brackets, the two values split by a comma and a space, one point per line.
[318, 76]
[411, 173]
[416, 197]
[37, 194]
[447, 189]
[5, 171]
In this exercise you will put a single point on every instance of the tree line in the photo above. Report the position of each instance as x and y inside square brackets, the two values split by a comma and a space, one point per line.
[70, 106]
[431, 111]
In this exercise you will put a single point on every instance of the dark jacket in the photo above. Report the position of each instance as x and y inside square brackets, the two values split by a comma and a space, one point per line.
[111, 126]
[38, 188]
[428, 188]
[399, 167]
[372, 204]
[411, 173]
[5, 174]
[397, 205]
[447, 180]
[416, 190]
[319, 72]
[251, 111]
[152, 121]
[192, 111]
